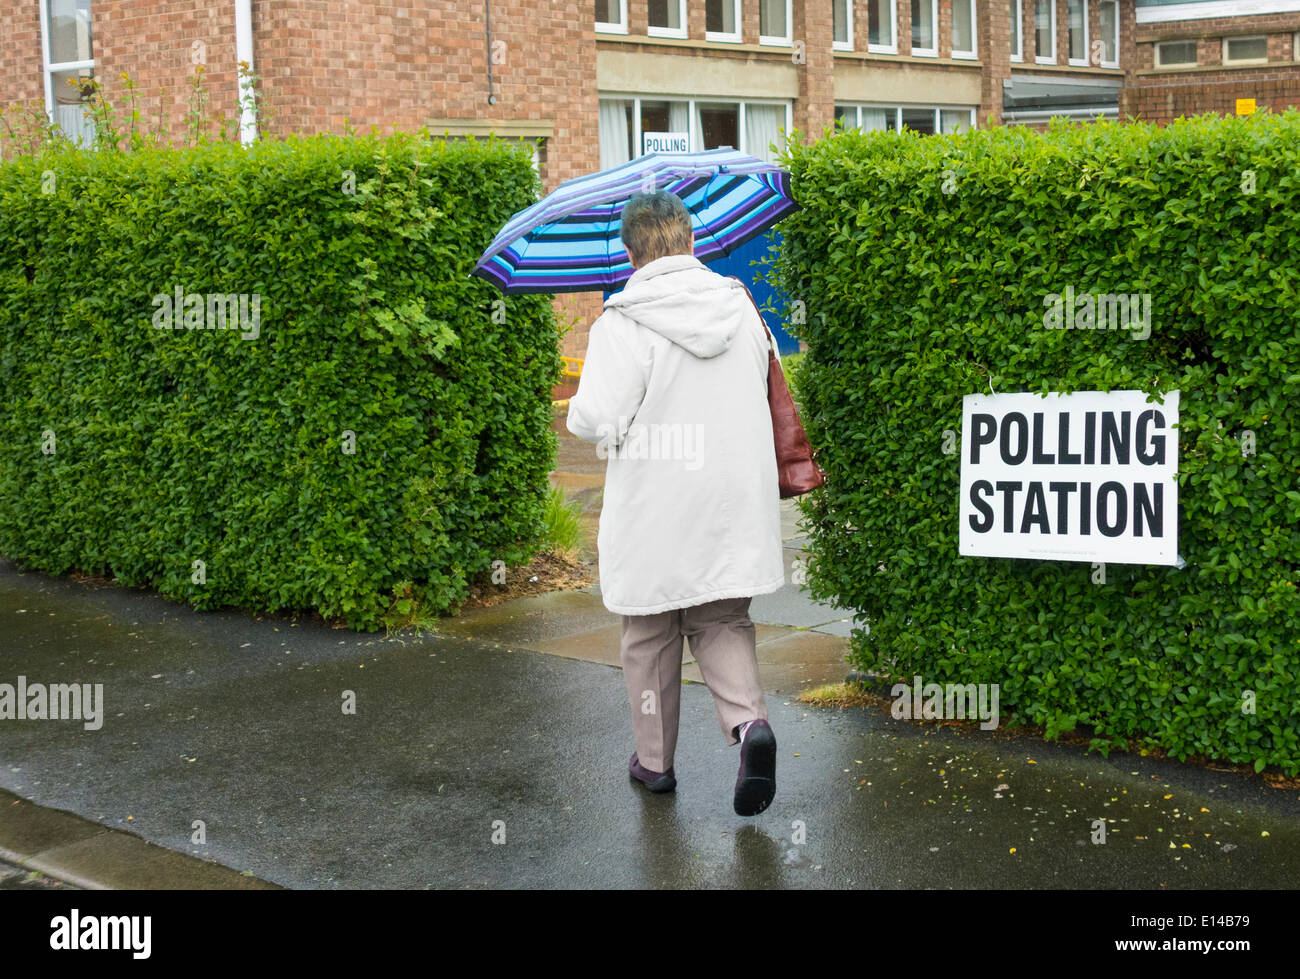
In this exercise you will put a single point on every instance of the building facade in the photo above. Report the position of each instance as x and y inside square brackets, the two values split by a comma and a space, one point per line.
[588, 82]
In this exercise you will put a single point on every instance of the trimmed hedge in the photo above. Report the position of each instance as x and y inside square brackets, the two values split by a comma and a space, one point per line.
[176, 446]
[923, 263]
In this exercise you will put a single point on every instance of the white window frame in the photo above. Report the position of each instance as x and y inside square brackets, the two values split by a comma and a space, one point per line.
[691, 100]
[1101, 5]
[723, 37]
[1246, 61]
[848, 26]
[1077, 62]
[934, 33]
[778, 40]
[620, 27]
[974, 33]
[898, 108]
[51, 68]
[892, 46]
[1018, 52]
[1159, 62]
[679, 32]
[1039, 58]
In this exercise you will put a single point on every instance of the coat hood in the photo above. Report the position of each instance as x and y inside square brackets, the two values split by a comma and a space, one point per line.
[682, 300]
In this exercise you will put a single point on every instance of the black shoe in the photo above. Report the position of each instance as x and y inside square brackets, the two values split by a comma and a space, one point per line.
[756, 781]
[654, 781]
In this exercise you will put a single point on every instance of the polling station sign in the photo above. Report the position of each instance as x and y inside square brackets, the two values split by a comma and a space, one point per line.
[1089, 476]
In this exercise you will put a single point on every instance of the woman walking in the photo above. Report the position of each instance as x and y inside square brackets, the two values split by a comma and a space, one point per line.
[674, 394]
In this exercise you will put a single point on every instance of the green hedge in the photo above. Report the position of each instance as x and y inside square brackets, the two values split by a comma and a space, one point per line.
[178, 446]
[923, 263]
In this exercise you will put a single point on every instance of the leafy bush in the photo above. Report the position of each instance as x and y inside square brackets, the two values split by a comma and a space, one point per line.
[379, 437]
[924, 263]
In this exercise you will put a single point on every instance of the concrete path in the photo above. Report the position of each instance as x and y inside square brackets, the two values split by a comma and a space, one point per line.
[239, 722]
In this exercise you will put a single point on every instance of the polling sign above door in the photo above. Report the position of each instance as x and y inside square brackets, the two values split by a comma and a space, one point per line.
[665, 142]
[1090, 476]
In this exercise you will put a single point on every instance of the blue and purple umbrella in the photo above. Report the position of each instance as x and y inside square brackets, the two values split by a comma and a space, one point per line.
[569, 240]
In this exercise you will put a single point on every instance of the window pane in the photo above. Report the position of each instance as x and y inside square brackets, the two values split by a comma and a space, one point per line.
[954, 120]
[771, 19]
[616, 132]
[879, 119]
[1110, 31]
[1247, 49]
[719, 125]
[879, 23]
[846, 117]
[763, 125]
[840, 17]
[70, 94]
[1078, 12]
[1015, 27]
[962, 37]
[720, 16]
[69, 31]
[919, 120]
[1043, 32]
[666, 13]
[1176, 53]
[922, 25]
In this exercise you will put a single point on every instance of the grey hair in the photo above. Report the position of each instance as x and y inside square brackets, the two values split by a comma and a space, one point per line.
[655, 225]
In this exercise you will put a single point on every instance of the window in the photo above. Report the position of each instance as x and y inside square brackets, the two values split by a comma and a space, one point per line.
[1077, 14]
[611, 16]
[1017, 21]
[963, 28]
[722, 20]
[751, 127]
[881, 36]
[918, 118]
[1169, 53]
[774, 18]
[1045, 32]
[842, 25]
[925, 15]
[69, 66]
[1109, 33]
[667, 18]
[955, 120]
[1238, 50]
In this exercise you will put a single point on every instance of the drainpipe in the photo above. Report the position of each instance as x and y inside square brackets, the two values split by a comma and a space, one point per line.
[244, 53]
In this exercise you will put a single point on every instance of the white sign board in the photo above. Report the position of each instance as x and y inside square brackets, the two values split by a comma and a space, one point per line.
[1089, 476]
[665, 142]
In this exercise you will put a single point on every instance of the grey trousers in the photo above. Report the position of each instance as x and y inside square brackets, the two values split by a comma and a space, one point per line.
[722, 641]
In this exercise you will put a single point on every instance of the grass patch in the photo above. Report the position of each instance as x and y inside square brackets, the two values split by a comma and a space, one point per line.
[841, 695]
[563, 533]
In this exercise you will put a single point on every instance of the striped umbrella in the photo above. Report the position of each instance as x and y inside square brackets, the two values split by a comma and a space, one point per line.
[569, 240]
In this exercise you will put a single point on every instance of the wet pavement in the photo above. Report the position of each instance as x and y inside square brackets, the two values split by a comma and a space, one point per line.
[473, 763]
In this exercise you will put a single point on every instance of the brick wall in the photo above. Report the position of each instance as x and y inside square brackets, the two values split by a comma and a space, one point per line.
[1159, 96]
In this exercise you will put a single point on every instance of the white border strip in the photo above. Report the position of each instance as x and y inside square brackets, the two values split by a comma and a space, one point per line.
[1206, 9]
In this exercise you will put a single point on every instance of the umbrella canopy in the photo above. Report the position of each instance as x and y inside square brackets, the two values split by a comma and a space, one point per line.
[569, 240]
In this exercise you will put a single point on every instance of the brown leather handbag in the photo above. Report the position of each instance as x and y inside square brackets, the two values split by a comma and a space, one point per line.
[796, 470]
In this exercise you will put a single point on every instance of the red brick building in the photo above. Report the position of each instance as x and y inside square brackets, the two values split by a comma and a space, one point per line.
[587, 80]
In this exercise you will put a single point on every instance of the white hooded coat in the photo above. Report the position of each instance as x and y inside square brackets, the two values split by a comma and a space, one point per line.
[674, 394]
